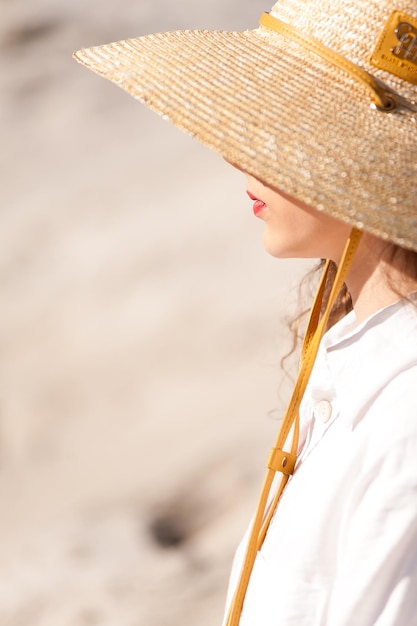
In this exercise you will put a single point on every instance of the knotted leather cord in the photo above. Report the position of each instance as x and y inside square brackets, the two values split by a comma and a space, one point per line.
[280, 460]
[381, 98]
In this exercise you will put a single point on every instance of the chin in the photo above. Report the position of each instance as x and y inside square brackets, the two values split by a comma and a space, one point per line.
[278, 249]
[285, 249]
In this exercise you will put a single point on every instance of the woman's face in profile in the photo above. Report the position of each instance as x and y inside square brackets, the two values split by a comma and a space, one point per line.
[294, 229]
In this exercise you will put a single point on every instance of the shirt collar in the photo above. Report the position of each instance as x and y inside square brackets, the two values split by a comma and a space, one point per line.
[348, 327]
[355, 361]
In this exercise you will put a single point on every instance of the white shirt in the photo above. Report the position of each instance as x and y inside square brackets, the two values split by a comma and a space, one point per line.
[341, 549]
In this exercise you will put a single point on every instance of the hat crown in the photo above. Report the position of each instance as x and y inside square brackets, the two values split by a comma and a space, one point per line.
[353, 29]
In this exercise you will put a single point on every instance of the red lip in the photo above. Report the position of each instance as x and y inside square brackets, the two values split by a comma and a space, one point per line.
[258, 205]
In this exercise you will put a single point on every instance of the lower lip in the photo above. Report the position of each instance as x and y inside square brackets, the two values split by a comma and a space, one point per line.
[258, 207]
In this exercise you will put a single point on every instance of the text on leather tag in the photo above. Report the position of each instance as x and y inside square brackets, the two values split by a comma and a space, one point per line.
[396, 50]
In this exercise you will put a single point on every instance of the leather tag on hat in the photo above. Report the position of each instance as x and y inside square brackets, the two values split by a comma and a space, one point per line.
[396, 50]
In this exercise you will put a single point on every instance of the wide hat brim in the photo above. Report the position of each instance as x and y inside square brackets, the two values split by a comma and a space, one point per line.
[282, 114]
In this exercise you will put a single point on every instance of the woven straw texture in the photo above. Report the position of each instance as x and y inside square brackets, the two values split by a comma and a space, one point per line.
[285, 115]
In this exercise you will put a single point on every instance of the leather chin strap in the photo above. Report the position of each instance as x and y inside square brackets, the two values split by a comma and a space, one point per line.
[285, 461]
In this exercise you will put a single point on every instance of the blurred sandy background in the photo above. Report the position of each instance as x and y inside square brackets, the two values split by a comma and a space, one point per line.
[141, 329]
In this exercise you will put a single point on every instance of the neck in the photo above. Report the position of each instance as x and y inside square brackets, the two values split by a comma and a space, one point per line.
[377, 278]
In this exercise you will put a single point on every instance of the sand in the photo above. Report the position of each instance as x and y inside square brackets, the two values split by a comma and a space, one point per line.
[141, 330]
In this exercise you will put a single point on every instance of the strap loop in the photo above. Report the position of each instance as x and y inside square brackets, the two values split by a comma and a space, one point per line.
[281, 461]
[382, 98]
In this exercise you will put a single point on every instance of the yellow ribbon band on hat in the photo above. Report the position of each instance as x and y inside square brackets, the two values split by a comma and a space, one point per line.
[315, 330]
[381, 98]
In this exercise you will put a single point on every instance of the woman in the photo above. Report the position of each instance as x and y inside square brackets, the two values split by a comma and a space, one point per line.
[318, 107]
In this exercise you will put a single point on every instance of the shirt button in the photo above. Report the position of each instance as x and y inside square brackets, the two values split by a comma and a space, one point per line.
[323, 411]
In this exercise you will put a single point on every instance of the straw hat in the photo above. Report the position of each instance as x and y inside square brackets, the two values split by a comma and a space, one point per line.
[319, 101]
